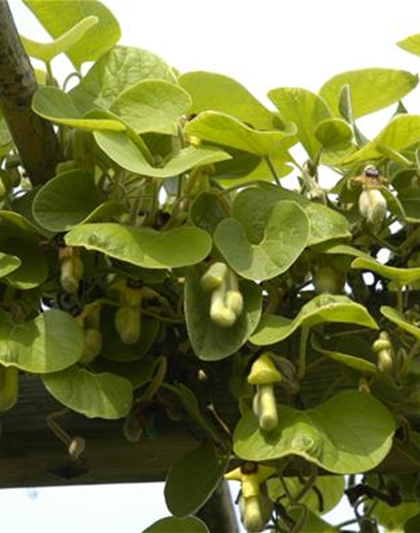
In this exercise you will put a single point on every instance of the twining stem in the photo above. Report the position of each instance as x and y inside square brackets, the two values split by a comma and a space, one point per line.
[302, 353]
[272, 169]
[400, 299]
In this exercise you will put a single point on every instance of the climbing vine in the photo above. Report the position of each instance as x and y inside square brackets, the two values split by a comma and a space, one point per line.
[182, 246]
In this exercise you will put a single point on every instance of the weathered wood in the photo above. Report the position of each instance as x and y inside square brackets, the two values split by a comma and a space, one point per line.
[30, 455]
[33, 136]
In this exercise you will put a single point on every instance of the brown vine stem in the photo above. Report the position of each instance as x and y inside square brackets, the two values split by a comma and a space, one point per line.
[33, 136]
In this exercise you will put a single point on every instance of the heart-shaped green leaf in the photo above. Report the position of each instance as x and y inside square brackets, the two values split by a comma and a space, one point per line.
[399, 319]
[322, 308]
[210, 341]
[58, 107]
[286, 236]
[306, 110]
[217, 92]
[225, 130]
[192, 480]
[58, 19]
[371, 89]
[333, 133]
[152, 106]
[66, 200]
[51, 342]
[119, 69]
[144, 247]
[177, 525]
[33, 270]
[252, 208]
[47, 51]
[401, 276]
[348, 434]
[400, 133]
[70, 199]
[121, 149]
[93, 395]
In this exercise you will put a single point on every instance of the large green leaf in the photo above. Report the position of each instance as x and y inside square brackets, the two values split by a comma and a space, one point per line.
[192, 480]
[121, 68]
[306, 110]
[33, 270]
[144, 247]
[331, 488]
[371, 89]
[401, 276]
[51, 342]
[47, 51]
[121, 149]
[399, 319]
[322, 308]
[217, 92]
[59, 16]
[58, 107]
[252, 208]
[177, 525]
[210, 341]
[285, 237]
[152, 106]
[312, 522]
[93, 395]
[400, 133]
[66, 200]
[222, 129]
[348, 434]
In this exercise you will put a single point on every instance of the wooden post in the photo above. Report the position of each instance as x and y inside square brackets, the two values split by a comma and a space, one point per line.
[33, 136]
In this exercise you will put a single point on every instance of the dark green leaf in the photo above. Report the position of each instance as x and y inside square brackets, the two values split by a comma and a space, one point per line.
[93, 395]
[192, 480]
[210, 341]
[285, 237]
[177, 525]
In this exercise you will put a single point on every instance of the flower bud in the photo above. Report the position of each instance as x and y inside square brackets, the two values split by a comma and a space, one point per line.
[128, 324]
[372, 205]
[92, 347]
[214, 276]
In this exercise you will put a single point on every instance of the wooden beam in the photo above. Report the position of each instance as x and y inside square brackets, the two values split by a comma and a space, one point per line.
[31, 455]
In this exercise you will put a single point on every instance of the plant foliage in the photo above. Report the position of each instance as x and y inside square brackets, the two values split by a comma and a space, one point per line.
[171, 250]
